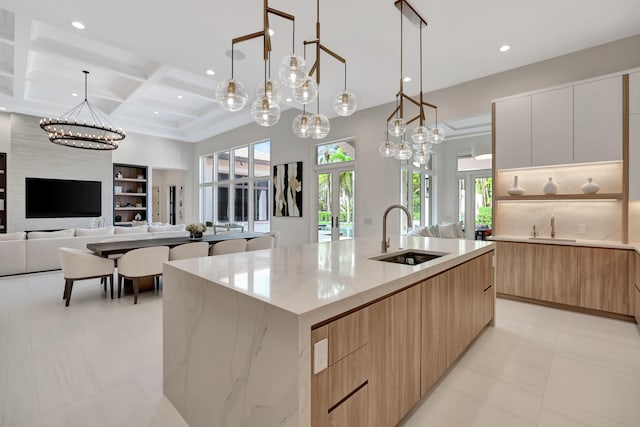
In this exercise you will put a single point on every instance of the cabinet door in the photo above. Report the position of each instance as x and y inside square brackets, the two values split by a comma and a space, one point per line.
[637, 304]
[634, 157]
[597, 121]
[555, 270]
[552, 127]
[603, 279]
[513, 133]
[434, 330]
[352, 412]
[514, 269]
[394, 342]
[488, 293]
[634, 93]
[461, 313]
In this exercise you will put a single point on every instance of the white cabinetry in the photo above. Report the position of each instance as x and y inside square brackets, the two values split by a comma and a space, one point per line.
[634, 93]
[634, 156]
[597, 108]
[513, 133]
[552, 127]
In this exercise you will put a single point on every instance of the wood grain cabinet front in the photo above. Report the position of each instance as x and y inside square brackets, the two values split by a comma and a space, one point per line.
[603, 281]
[353, 412]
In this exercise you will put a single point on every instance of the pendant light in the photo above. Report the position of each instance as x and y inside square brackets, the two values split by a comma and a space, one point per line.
[265, 110]
[301, 125]
[231, 93]
[422, 135]
[84, 126]
[320, 125]
[387, 148]
[307, 92]
[345, 101]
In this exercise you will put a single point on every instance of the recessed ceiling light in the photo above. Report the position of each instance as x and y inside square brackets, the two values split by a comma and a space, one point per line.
[79, 25]
[271, 32]
[156, 112]
[288, 99]
[74, 94]
[407, 79]
[180, 97]
[504, 48]
[210, 72]
[3, 108]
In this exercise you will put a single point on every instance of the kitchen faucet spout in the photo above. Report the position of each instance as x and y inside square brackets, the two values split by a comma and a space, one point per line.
[385, 242]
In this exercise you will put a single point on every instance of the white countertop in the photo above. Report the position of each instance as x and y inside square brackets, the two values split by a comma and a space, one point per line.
[322, 280]
[559, 241]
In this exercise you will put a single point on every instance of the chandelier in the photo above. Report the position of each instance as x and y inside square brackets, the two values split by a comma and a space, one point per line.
[317, 126]
[422, 136]
[84, 126]
[265, 109]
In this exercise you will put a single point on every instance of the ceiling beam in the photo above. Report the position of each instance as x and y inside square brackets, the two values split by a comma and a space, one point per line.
[158, 73]
[192, 89]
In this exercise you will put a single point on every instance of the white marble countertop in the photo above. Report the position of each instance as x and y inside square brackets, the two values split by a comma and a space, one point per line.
[559, 241]
[321, 280]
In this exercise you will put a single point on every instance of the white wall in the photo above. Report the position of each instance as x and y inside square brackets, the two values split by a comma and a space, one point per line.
[32, 155]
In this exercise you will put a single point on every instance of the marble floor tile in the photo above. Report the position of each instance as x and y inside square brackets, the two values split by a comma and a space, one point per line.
[98, 363]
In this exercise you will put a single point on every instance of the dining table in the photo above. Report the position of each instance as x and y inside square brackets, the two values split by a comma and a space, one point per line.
[104, 249]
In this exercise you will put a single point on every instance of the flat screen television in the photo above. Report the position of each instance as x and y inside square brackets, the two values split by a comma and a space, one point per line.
[62, 198]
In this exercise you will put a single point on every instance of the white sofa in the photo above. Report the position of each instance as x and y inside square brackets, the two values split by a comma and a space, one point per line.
[38, 251]
[451, 230]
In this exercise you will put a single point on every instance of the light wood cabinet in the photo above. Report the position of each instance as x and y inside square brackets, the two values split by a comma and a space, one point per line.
[353, 412]
[394, 340]
[488, 293]
[513, 133]
[603, 279]
[637, 304]
[636, 289]
[434, 356]
[514, 268]
[552, 127]
[597, 124]
[348, 334]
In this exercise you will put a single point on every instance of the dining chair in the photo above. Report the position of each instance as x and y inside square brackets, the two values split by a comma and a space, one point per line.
[79, 264]
[140, 263]
[263, 242]
[189, 250]
[229, 247]
[113, 257]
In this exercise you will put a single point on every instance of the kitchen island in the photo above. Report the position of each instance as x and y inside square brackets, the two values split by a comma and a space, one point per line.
[239, 330]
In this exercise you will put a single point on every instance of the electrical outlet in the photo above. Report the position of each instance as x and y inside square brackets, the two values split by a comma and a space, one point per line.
[582, 228]
[320, 356]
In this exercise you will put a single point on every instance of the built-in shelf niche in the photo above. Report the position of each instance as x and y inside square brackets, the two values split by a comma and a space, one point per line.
[608, 175]
[130, 190]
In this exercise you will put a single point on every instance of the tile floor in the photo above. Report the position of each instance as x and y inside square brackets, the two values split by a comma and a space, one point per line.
[99, 363]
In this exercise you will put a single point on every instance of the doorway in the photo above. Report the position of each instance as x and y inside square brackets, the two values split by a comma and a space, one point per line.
[335, 218]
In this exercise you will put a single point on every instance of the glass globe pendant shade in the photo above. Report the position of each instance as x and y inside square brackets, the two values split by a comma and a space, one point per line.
[320, 126]
[301, 125]
[420, 135]
[437, 135]
[403, 151]
[421, 156]
[387, 148]
[265, 112]
[231, 95]
[292, 72]
[270, 89]
[307, 92]
[397, 127]
[345, 103]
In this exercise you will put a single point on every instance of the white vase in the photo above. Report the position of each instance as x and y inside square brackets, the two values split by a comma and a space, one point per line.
[516, 190]
[550, 187]
[590, 187]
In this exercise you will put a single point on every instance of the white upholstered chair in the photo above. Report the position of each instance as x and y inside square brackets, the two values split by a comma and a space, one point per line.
[189, 250]
[113, 257]
[263, 242]
[139, 263]
[79, 264]
[229, 246]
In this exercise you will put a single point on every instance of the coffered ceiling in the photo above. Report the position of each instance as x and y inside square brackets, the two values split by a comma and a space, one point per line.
[147, 57]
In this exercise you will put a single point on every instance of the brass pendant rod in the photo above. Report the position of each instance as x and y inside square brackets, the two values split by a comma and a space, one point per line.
[394, 112]
[411, 99]
[320, 47]
[413, 119]
[281, 14]
[421, 93]
[332, 53]
[248, 37]
[401, 63]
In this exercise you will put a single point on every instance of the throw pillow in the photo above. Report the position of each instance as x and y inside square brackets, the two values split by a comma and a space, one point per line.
[459, 232]
[424, 232]
[102, 231]
[51, 234]
[448, 231]
[131, 230]
[433, 230]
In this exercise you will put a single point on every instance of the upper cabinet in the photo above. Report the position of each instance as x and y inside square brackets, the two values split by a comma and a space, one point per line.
[573, 124]
[597, 123]
[513, 133]
[552, 127]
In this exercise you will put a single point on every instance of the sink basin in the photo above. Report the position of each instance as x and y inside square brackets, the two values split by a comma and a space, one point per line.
[409, 257]
[552, 239]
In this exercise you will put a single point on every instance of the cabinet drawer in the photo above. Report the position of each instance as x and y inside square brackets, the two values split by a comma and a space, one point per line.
[348, 374]
[348, 334]
[353, 412]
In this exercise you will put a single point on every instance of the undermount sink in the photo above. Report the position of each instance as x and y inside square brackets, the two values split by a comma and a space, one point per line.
[552, 239]
[409, 257]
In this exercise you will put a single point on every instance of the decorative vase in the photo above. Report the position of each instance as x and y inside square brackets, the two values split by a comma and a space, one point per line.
[196, 235]
[550, 187]
[516, 190]
[590, 187]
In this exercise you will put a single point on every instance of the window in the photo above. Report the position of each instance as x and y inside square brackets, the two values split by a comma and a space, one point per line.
[336, 152]
[235, 186]
[416, 195]
[475, 191]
